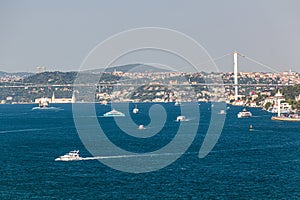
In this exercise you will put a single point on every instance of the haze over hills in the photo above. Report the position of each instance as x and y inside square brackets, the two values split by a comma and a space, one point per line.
[136, 67]
[21, 74]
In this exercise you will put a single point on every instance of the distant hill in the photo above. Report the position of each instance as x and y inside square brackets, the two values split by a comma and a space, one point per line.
[132, 68]
[51, 78]
[21, 74]
[65, 78]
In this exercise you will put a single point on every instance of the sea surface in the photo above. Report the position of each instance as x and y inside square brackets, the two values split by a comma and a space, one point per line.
[263, 163]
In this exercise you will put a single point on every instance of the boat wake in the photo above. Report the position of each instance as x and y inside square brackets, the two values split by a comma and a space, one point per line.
[21, 130]
[133, 156]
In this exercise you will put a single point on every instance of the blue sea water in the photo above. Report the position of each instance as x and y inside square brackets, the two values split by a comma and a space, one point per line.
[260, 164]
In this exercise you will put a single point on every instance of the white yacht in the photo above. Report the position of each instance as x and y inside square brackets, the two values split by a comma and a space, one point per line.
[244, 114]
[71, 156]
[114, 113]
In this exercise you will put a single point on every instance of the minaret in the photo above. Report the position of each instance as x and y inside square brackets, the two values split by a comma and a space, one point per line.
[73, 97]
[278, 95]
[235, 69]
[53, 98]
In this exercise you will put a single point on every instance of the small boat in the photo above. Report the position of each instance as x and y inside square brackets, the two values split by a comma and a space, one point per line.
[71, 156]
[222, 112]
[181, 118]
[250, 127]
[141, 127]
[177, 103]
[114, 113]
[135, 110]
[244, 114]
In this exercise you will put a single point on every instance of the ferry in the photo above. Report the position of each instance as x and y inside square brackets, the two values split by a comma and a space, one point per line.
[114, 113]
[44, 105]
[244, 114]
[71, 156]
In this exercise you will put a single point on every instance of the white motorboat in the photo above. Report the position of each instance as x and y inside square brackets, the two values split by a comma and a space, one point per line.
[222, 112]
[71, 156]
[181, 118]
[141, 127]
[244, 114]
[114, 113]
[177, 103]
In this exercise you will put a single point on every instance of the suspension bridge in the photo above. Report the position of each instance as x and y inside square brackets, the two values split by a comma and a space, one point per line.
[235, 84]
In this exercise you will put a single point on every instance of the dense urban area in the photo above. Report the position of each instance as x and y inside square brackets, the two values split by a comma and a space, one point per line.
[254, 89]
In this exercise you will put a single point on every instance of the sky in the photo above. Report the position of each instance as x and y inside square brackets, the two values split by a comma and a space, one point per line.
[59, 34]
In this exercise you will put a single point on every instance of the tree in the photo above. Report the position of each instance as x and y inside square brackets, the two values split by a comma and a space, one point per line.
[267, 106]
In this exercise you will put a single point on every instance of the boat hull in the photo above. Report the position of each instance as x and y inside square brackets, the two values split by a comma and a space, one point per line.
[287, 119]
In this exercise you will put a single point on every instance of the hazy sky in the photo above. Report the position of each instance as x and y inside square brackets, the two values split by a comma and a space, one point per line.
[59, 34]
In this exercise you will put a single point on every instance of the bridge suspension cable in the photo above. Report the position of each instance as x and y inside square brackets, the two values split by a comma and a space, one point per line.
[257, 62]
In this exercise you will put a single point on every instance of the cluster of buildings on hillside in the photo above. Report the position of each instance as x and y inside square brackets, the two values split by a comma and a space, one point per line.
[253, 84]
[175, 86]
[10, 79]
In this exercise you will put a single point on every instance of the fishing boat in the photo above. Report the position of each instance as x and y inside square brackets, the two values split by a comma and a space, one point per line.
[114, 113]
[244, 114]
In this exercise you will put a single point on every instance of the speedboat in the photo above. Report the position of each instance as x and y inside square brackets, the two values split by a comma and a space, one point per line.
[71, 156]
[222, 112]
[177, 103]
[141, 127]
[244, 114]
[114, 113]
[181, 118]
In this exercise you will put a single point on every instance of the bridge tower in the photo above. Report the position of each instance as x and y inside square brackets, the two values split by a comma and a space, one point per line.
[235, 69]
